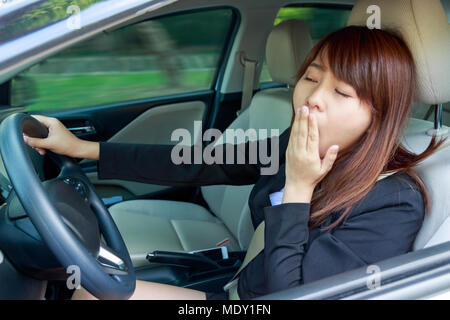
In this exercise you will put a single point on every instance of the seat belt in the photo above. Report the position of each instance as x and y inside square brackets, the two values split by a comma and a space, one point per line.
[255, 247]
[248, 82]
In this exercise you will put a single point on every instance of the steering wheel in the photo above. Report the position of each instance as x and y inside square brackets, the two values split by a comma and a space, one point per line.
[68, 214]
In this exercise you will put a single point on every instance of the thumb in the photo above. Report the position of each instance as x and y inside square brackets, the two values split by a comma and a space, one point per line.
[35, 142]
[330, 157]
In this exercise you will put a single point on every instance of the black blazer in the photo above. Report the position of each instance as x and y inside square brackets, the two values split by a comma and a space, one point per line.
[382, 225]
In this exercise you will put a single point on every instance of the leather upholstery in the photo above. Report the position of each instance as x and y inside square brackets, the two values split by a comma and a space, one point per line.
[435, 172]
[425, 28]
[286, 49]
[148, 225]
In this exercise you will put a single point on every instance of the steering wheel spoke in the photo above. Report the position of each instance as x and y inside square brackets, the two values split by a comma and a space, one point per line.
[111, 262]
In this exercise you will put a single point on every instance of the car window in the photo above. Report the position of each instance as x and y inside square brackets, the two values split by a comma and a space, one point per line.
[164, 56]
[321, 20]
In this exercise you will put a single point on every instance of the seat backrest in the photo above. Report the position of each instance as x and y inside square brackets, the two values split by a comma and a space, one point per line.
[286, 48]
[425, 28]
[435, 172]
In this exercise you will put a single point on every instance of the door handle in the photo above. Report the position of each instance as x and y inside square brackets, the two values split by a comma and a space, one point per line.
[83, 129]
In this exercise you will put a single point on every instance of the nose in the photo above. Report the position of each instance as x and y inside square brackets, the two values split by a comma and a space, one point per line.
[315, 101]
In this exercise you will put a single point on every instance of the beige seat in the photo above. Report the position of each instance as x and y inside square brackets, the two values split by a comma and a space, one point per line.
[425, 28]
[148, 225]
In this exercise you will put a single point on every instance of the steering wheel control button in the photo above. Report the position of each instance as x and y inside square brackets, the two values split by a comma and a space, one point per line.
[78, 186]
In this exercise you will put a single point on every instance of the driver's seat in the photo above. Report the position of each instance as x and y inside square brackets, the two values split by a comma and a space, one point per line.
[148, 225]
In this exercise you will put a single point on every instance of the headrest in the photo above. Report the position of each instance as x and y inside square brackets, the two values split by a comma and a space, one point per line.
[286, 48]
[425, 28]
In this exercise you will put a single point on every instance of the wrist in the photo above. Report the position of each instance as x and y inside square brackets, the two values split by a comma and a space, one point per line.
[88, 150]
[297, 193]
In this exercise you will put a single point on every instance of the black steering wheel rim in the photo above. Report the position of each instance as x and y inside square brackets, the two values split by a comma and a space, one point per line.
[46, 218]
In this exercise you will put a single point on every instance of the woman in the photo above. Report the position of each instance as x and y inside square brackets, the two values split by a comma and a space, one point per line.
[324, 210]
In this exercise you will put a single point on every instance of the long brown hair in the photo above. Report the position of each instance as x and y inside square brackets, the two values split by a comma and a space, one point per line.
[380, 66]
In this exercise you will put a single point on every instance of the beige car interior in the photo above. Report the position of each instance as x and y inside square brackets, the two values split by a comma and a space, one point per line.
[148, 225]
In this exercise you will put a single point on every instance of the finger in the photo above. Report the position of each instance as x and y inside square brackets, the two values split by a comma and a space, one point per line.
[313, 135]
[35, 142]
[295, 125]
[330, 157]
[46, 121]
[26, 140]
[40, 150]
[302, 137]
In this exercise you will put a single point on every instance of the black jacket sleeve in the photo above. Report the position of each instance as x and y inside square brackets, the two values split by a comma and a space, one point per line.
[386, 229]
[240, 164]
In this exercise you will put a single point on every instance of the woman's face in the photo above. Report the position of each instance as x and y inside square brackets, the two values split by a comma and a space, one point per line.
[341, 116]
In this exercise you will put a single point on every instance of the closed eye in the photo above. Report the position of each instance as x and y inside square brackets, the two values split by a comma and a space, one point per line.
[309, 79]
[337, 91]
[342, 94]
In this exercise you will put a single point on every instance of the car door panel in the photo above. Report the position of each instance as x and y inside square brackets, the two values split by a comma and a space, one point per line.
[154, 126]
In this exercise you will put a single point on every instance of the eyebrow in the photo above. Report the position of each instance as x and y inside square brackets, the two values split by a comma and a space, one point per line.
[318, 66]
